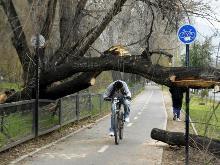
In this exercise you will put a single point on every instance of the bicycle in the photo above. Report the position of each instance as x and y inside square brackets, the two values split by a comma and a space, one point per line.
[118, 118]
[187, 35]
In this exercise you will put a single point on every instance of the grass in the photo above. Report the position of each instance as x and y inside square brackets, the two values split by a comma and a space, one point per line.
[47, 120]
[206, 120]
[18, 125]
[8, 85]
[105, 106]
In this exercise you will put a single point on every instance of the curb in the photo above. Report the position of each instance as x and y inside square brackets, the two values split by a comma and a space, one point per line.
[166, 115]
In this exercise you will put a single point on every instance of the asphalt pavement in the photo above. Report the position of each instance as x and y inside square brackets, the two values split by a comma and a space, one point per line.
[93, 146]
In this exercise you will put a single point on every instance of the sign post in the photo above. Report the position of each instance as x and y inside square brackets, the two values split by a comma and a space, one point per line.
[37, 42]
[187, 35]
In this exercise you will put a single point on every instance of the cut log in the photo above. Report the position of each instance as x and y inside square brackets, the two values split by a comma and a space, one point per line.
[199, 83]
[195, 141]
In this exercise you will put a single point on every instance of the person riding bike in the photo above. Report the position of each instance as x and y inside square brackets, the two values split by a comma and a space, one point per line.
[117, 88]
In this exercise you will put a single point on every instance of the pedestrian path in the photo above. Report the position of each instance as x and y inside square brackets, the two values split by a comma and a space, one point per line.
[93, 146]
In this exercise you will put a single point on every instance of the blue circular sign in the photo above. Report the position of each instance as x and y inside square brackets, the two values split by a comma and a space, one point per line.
[187, 34]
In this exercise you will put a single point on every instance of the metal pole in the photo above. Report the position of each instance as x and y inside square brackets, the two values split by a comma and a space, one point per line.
[37, 83]
[216, 62]
[60, 112]
[90, 104]
[100, 105]
[77, 107]
[187, 112]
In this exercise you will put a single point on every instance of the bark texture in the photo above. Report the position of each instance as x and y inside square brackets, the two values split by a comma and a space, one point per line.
[195, 141]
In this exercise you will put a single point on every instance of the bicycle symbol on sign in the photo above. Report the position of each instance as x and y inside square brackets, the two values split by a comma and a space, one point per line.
[187, 35]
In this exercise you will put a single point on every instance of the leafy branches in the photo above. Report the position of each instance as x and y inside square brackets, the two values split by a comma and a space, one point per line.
[200, 53]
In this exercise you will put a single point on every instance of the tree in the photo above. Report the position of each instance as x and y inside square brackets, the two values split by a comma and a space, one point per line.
[69, 63]
[200, 53]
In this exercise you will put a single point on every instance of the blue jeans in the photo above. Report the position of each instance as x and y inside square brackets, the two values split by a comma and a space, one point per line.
[126, 103]
[176, 111]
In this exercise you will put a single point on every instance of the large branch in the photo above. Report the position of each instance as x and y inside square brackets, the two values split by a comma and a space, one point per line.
[74, 85]
[50, 15]
[178, 138]
[19, 39]
[146, 53]
[69, 22]
[78, 16]
[161, 52]
[57, 90]
[84, 45]
[134, 64]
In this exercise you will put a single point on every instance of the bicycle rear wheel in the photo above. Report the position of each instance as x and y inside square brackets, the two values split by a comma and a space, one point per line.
[121, 124]
[116, 128]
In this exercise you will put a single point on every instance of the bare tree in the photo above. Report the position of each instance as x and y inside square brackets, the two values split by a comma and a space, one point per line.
[70, 64]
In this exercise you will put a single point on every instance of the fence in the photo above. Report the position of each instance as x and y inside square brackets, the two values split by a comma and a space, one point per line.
[17, 120]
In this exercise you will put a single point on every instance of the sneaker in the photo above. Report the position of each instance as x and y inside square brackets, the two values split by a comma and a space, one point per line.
[127, 120]
[178, 119]
[111, 133]
[174, 117]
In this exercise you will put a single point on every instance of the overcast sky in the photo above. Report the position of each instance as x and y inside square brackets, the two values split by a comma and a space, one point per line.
[204, 27]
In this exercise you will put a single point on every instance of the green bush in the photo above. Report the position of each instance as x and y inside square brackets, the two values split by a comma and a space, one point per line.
[204, 93]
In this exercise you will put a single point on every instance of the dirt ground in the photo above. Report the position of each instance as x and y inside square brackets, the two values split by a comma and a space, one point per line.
[174, 155]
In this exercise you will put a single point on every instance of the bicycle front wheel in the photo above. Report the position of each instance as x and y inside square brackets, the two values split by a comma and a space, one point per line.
[116, 128]
[121, 124]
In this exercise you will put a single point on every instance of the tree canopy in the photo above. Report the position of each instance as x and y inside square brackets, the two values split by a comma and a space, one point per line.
[200, 53]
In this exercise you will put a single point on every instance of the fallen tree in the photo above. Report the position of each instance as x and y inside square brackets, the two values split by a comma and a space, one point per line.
[195, 141]
[69, 62]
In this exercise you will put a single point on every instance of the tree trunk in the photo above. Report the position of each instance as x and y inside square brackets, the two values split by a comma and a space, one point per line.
[74, 85]
[195, 141]
[18, 39]
[133, 64]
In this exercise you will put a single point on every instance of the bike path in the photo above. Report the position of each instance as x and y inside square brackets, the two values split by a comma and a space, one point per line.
[94, 147]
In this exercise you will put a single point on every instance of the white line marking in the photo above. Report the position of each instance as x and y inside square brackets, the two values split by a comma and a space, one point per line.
[105, 147]
[135, 118]
[165, 112]
[192, 124]
[63, 156]
[146, 104]
[139, 113]
[130, 124]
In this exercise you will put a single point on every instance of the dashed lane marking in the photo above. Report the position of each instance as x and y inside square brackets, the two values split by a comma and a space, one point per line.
[130, 124]
[135, 118]
[63, 156]
[105, 147]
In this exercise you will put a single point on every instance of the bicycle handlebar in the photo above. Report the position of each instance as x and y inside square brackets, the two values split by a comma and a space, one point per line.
[110, 99]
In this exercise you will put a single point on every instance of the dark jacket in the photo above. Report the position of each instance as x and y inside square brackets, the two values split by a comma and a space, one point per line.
[177, 96]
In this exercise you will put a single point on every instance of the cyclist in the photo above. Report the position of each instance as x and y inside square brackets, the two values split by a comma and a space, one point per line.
[116, 88]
